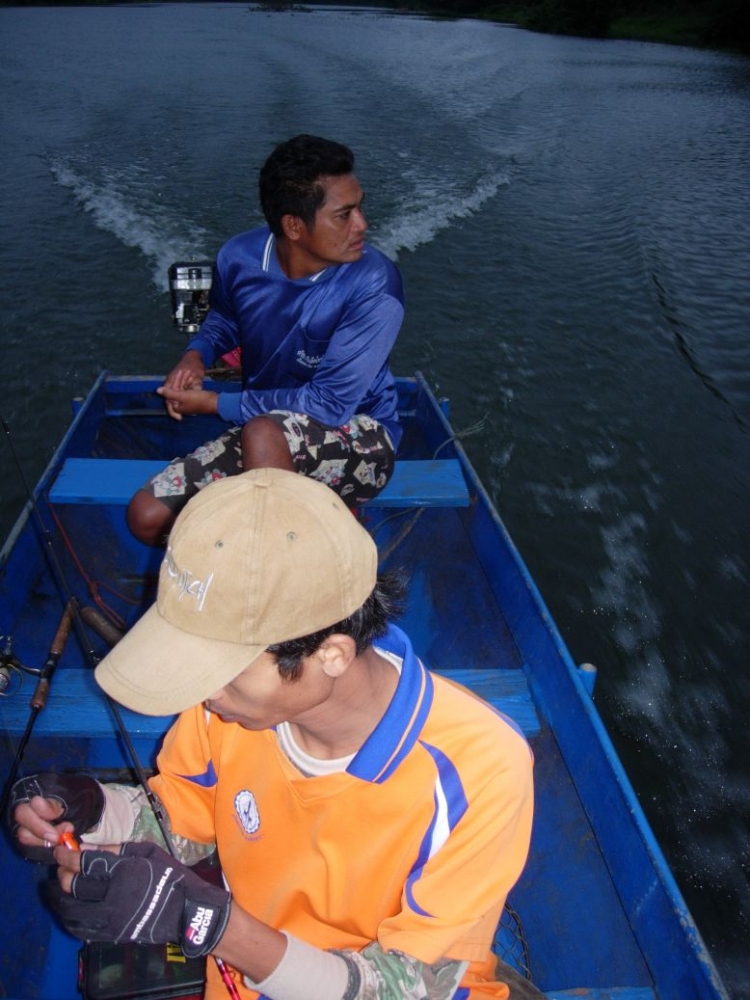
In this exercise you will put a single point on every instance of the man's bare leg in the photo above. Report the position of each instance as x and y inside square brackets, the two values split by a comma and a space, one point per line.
[149, 519]
[264, 446]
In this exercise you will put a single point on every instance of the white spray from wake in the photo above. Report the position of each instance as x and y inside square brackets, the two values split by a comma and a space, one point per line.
[433, 209]
[123, 205]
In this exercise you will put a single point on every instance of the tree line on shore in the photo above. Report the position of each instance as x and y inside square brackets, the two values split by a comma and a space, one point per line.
[721, 24]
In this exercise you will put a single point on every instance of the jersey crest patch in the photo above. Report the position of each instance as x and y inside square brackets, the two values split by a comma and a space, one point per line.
[247, 811]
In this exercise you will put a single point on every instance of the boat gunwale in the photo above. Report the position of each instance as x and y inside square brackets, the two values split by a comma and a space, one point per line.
[562, 725]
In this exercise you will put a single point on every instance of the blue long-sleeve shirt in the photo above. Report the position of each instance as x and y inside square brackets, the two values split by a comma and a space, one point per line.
[317, 345]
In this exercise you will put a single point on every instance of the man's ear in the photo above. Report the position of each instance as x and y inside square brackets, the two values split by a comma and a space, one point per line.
[336, 654]
[292, 226]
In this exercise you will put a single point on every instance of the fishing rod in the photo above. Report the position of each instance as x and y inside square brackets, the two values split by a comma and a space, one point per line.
[100, 624]
[97, 622]
[39, 697]
[79, 617]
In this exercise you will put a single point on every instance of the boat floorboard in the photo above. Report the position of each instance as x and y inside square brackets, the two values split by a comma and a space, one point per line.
[604, 993]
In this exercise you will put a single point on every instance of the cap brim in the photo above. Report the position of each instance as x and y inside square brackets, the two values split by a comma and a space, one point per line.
[158, 669]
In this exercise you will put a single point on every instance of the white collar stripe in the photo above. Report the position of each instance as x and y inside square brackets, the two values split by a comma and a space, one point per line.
[267, 252]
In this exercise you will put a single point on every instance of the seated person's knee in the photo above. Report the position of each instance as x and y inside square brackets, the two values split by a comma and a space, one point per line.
[264, 445]
[148, 518]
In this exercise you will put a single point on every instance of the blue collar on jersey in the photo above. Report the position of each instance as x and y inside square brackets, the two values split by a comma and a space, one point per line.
[400, 727]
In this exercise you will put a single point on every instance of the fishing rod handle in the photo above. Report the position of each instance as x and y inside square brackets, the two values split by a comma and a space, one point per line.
[63, 630]
[41, 692]
[104, 628]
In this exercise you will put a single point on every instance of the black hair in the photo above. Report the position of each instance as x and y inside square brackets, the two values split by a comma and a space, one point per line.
[290, 179]
[365, 625]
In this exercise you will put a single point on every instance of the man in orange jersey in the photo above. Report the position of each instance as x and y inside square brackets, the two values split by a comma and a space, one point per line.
[370, 818]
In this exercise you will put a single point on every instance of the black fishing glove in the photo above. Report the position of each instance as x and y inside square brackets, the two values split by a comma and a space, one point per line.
[81, 798]
[142, 894]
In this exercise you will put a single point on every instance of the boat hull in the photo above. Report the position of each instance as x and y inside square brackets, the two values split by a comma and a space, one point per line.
[599, 911]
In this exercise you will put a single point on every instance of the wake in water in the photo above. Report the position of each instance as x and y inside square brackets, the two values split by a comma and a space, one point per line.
[123, 204]
[432, 209]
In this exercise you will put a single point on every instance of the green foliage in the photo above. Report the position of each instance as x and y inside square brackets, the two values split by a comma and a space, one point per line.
[675, 28]
[571, 17]
[723, 24]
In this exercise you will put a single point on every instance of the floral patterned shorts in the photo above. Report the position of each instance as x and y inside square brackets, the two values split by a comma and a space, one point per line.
[356, 460]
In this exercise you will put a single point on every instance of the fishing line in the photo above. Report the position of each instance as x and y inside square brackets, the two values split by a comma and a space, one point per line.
[153, 801]
[48, 549]
[93, 586]
[77, 618]
[74, 616]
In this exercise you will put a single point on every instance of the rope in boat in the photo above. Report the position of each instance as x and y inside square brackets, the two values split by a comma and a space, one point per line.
[409, 526]
[93, 586]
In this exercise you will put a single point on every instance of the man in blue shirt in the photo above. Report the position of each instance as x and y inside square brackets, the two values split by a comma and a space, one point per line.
[315, 312]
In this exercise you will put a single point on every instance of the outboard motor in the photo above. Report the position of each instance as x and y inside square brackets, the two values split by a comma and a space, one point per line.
[189, 285]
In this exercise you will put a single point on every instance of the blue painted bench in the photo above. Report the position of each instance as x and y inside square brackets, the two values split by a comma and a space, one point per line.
[77, 707]
[78, 710]
[430, 483]
[506, 690]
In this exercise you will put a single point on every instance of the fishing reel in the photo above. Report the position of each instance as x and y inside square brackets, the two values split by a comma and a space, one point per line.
[11, 667]
[189, 285]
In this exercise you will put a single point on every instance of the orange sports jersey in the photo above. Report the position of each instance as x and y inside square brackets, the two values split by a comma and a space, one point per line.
[415, 845]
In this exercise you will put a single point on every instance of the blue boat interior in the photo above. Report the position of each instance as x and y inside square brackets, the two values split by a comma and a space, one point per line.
[473, 614]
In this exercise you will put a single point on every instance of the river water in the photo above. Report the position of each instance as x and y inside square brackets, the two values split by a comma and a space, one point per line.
[573, 225]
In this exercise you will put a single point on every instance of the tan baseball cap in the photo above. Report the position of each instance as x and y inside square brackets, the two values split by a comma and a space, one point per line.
[252, 560]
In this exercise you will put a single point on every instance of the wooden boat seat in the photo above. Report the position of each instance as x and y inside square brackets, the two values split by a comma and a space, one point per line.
[431, 483]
